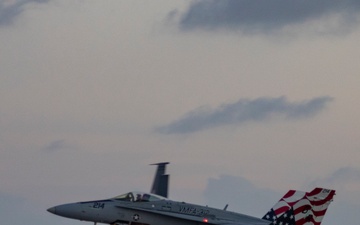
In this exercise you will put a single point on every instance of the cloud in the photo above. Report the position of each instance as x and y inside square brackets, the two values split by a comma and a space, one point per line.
[262, 15]
[10, 9]
[56, 146]
[346, 206]
[345, 179]
[244, 111]
[344, 174]
[245, 197]
[32, 212]
[241, 195]
[10, 204]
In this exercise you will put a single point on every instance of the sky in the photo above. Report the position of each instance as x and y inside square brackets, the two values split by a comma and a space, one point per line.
[244, 98]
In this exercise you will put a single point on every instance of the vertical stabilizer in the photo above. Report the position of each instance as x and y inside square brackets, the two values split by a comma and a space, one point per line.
[161, 180]
[300, 208]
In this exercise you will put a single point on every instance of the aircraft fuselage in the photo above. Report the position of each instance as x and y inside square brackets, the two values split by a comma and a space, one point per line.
[162, 212]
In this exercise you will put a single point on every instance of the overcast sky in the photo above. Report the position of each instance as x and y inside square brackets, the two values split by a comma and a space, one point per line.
[243, 97]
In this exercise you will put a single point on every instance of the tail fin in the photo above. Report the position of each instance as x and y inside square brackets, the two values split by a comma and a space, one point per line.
[161, 180]
[298, 208]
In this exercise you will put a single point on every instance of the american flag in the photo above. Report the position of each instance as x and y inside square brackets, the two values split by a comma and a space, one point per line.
[299, 208]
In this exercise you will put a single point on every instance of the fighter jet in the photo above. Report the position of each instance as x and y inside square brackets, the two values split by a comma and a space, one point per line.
[138, 208]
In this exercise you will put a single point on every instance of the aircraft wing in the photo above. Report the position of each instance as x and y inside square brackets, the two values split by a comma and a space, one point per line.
[170, 214]
[246, 223]
[218, 221]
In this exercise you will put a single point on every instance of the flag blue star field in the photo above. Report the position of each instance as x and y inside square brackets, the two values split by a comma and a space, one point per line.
[287, 218]
[270, 215]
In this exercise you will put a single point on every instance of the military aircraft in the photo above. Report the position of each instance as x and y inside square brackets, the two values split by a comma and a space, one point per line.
[138, 208]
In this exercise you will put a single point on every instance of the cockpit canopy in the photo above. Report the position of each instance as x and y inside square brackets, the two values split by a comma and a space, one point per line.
[136, 196]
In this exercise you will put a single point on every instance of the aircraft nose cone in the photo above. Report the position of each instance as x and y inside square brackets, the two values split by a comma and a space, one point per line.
[52, 210]
[70, 210]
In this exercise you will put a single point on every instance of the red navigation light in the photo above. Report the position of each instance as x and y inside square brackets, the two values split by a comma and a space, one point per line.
[205, 220]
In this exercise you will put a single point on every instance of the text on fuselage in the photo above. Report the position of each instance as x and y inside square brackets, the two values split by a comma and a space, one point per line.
[193, 211]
